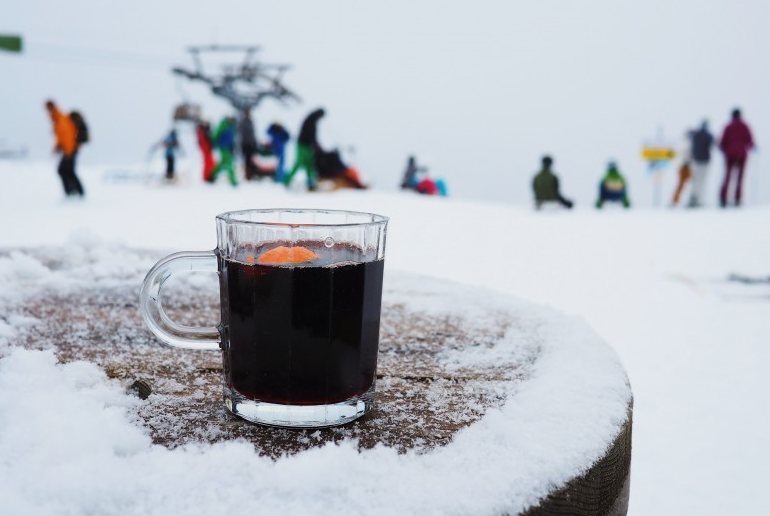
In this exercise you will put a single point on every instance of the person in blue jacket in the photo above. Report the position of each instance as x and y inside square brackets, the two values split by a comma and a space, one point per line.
[279, 137]
[170, 145]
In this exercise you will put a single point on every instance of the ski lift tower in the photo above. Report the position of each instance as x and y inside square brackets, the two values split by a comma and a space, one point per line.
[245, 83]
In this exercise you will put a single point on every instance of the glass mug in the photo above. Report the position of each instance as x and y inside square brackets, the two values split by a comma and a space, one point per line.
[300, 295]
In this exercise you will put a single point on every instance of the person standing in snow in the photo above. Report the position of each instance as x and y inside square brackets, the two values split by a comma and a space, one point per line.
[546, 186]
[685, 170]
[612, 187]
[66, 144]
[224, 141]
[307, 147]
[279, 137]
[736, 142]
[203, 134]
[701, 142]
[248, 144]
[170, 145]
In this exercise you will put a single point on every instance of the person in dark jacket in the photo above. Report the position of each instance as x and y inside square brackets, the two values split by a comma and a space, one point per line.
[613, 187]
[736, 142]
[248, 139]
[307, 147]
[546, 186]
[701, 142]
[409, 182]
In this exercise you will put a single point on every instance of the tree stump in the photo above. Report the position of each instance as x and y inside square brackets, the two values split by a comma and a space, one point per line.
[452, 360]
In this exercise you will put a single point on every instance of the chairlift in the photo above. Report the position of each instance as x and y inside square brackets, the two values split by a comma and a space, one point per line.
[187, 112]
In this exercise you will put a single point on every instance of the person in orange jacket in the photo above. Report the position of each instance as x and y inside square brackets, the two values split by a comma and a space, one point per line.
[66, 143]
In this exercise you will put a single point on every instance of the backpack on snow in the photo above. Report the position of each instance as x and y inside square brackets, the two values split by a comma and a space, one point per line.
[81, 129]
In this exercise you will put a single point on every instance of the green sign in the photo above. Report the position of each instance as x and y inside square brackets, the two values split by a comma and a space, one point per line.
[10, 43]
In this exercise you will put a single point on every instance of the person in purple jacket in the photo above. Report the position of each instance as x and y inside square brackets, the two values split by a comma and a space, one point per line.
[735, 143]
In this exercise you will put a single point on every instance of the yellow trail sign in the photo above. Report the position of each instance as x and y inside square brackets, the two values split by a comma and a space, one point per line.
[658, 153]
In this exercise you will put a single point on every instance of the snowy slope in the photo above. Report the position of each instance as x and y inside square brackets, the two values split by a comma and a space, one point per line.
[649, 282]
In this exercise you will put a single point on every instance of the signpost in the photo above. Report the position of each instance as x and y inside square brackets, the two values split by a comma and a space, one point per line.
[658, 154]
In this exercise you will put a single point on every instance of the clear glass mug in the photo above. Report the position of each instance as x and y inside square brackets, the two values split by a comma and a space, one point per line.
[300, 295]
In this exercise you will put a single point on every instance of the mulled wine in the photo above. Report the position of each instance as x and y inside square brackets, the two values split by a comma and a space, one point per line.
[302, 330]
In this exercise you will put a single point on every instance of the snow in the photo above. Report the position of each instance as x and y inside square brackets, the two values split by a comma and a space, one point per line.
[646, 281]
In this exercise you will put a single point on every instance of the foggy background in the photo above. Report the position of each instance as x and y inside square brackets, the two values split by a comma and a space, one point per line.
[478, 91]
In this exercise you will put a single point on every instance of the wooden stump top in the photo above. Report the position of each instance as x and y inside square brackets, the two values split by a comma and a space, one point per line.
[448, 356]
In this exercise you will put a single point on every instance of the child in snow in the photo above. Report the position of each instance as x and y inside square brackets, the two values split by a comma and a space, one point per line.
[612, 187]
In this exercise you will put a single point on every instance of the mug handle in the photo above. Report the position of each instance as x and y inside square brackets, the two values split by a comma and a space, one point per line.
[174, 334]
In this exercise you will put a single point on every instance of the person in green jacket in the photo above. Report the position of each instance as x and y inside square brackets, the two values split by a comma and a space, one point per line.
[224, 140]
[307, 148]
[612, 187]
[546, 186]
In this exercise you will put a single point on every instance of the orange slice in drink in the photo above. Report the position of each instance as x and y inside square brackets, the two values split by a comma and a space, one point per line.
[282, 254]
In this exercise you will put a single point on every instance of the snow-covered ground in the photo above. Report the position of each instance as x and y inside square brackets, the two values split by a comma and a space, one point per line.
[650, 282]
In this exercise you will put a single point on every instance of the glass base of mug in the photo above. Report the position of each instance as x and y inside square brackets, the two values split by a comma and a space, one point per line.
[299, 416]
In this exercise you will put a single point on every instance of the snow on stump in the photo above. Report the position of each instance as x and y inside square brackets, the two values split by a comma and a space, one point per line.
[484, 405]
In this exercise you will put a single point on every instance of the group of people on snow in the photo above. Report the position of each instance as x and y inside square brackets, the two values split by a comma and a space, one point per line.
[231, 134]
[735, 143]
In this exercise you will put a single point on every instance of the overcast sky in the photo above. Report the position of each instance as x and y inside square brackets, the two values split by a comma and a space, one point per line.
[479, 91]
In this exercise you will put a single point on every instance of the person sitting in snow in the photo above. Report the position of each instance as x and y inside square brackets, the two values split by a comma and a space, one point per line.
[546, 186]
[409, 182]
[612, 187]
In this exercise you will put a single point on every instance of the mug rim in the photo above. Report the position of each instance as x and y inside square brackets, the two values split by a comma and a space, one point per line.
[230, 217]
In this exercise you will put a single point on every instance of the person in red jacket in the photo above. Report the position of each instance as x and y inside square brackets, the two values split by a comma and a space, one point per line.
[735, 143]
[203, 133]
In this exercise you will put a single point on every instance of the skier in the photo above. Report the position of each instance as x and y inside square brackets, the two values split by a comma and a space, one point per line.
[701, 142]
[613, 187]
[307, 147]
[66, 144]
[248, 144]
[170, 145]
[203, 133]
[735, 143]
[279, 137]
[546, 186]
[224, 141]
